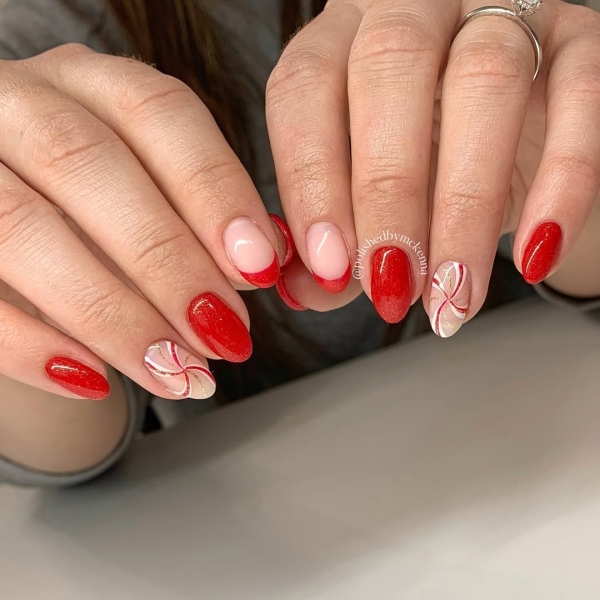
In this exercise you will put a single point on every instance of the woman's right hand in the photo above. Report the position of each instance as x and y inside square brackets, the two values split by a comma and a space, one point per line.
[126, 220]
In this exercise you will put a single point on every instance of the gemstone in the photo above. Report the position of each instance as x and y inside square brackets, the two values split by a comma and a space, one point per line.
[524, 8]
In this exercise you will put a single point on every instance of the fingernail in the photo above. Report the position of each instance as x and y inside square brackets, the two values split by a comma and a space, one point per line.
[178, 371]
[541, 252]
[328, 255]
[219, 327]
[284, 294]
[77, 378]
[450, 297]
[286, 241]
[391, 283]
[251, 252]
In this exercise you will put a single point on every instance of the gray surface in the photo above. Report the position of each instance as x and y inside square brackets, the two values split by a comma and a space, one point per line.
[466, 468]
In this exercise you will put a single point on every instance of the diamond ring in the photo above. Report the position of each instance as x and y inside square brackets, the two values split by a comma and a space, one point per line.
[525, 8]
[521, 9]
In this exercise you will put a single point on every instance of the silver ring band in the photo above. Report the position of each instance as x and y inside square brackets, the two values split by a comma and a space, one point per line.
[498, 11]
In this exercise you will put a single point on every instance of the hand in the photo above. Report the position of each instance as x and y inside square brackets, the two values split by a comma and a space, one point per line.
[352, 113]
[135, 163]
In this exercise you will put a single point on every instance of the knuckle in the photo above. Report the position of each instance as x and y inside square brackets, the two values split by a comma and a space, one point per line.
[62, 139]
[309, 180]
[68, 51]
[581, 83]
[382, 185]
[101, 311]
[566, 168]
[300, 68]
[158, 253]
[18, 215]
[469, 204]
[211, 179]
[492, 64]
[148, 92]
[399, 39]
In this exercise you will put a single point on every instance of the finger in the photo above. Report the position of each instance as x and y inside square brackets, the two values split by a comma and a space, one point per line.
[485, 96]
[307, 116]
[567, 182]
[43, 260]
[394, 67]
[82, 166]
[39, 355]
[178, 142]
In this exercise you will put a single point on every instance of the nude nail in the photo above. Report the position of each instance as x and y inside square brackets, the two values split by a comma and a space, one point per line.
[450, 297]
[251, 252]
[328, 255]
[178, 371]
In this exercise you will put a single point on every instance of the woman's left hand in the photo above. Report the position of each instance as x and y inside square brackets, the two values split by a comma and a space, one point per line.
[352, 114]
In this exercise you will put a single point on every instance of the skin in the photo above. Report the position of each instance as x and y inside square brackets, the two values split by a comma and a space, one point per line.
[372, 68]
[137, 164]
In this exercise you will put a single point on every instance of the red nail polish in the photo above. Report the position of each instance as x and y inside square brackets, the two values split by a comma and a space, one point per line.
[285, 295]
[77, 378]
[286, 234]
[334, 286]
[219, 327]
[265, 278]
[391, 283]
[541, 252]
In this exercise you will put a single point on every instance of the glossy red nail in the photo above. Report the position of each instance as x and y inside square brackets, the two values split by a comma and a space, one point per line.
[286, 238]
[541, 252]
[220, 328]
[251, 252]
[288, 299]
[77, 378]
[391, 283]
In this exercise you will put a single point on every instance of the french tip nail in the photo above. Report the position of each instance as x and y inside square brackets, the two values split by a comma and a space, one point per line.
[334, 286]
[266, 278]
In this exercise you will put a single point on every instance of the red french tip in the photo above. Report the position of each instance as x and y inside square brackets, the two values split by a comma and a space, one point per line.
[220, 328]
[266, 278]
[290, 247]
[77, 378]
[391, 283]
[334, 286]
[287, 298]
[541, 252]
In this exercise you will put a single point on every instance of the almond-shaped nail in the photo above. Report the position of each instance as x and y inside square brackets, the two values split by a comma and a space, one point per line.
[391, 283]
[328, 255]
[286, 241]
[77, 378]
[450, 297]
[220, 328]
[251, 252]
[541, 252]
[178, 371]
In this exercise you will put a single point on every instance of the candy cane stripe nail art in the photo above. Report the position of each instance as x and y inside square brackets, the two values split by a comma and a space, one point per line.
[450, 296]
[178, 371]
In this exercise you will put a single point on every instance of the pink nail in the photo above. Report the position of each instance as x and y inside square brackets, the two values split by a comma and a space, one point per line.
[328, 256]
[450, 297]
[178, 371]
[251, 252]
